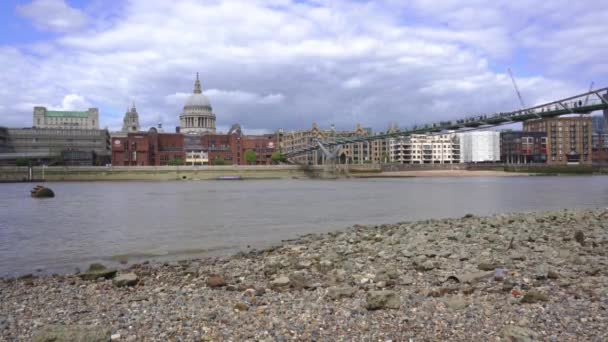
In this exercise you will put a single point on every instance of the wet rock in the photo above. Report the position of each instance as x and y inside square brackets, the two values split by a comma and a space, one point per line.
[215, 280]
[534, 296]
[376, 300]
[125, 279]
[513, 333]
[336, 293]
[72, 333]
[96, 271]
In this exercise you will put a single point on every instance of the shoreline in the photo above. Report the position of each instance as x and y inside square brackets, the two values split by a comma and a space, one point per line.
[426, 280]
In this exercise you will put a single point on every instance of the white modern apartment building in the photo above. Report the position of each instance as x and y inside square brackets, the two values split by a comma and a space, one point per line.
[425, 149]
[479, 146]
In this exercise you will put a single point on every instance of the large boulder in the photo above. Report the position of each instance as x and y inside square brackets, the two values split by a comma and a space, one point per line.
[98, 271]
[42, 192]
[72, 333]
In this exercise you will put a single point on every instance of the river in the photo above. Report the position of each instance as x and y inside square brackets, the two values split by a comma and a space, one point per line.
[112, 221]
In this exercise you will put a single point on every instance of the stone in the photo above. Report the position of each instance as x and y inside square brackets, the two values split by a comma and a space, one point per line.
[484, 266]
[534, 296]
[115, 337]
[215, 281]
[579, 237]
[125, 279]
[508, 286]
[280, 282]
[552, 274]
[456, 303]
[472, 277]
[96, 271]
[376, 300]
[72, 333]
[240, 306]
[513, 333]
[336, 293]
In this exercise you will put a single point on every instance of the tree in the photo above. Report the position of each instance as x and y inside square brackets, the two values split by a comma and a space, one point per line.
[250, 157]
[384, 158]
[22, 162]
[218, 161]
[175, 162]
[277, 157]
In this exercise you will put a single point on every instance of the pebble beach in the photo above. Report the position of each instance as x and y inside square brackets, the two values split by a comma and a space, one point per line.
[510, 277]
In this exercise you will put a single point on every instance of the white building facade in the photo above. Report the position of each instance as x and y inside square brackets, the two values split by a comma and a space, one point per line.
[65, 119]
[479, 146]
[424, 149]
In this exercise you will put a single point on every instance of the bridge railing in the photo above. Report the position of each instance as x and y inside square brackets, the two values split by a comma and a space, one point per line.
[579, 104]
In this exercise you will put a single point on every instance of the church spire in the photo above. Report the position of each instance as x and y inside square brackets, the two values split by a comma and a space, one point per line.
[197, 85]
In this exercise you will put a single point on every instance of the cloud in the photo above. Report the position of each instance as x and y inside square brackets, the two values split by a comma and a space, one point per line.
[53, 15]
[74, 102]
[287, 64]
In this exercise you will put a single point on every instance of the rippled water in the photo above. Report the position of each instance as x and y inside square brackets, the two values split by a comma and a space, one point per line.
[112, 221]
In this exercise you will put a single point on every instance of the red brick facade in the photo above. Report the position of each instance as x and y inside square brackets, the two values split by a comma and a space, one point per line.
[151, 148]
[147, 148]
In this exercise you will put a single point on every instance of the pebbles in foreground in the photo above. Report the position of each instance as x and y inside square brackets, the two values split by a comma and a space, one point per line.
[515, 277]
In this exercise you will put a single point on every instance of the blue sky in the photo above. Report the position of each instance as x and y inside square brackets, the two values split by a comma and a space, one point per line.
[286, 64]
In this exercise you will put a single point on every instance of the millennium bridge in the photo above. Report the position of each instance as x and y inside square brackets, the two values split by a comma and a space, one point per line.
[585, 103]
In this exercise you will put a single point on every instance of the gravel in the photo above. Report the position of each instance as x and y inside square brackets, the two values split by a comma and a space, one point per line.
[509, 277]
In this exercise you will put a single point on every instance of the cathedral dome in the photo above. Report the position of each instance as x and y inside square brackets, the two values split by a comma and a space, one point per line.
[197, 116]
[197, 100]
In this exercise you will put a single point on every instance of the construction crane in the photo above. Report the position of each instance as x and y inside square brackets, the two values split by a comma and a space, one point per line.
[521, 100]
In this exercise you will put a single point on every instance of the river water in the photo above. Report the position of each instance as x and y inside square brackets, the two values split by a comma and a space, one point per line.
[135, 221]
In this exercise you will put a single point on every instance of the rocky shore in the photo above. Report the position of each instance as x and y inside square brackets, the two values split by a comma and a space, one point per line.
[513, 277]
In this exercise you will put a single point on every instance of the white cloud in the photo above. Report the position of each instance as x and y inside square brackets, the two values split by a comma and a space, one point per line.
[286, 64]
[53, 15]
[74, 102]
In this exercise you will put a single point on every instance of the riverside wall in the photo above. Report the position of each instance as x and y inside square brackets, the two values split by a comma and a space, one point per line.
[157, 173]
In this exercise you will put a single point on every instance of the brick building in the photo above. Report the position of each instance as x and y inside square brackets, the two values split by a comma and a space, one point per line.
[230, 148]
[568, 139]
[523, 147]
[147, 148]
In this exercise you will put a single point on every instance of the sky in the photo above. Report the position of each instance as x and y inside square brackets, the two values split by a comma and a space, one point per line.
[283, 64]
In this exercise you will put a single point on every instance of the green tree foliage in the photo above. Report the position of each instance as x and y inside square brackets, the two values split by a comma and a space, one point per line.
[219, 162]
[277, 157]
[175, 162]
[250, 157]
[22, 162]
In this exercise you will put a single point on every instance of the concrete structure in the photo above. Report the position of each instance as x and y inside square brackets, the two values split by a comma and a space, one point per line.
[197, 116]
[57, 146]
[569, 139]
[523, 147]
[148, 148]
[44, 118]
[130, 123]
[479, 146]
[4, 141]
[353, 153]
[424, 149]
